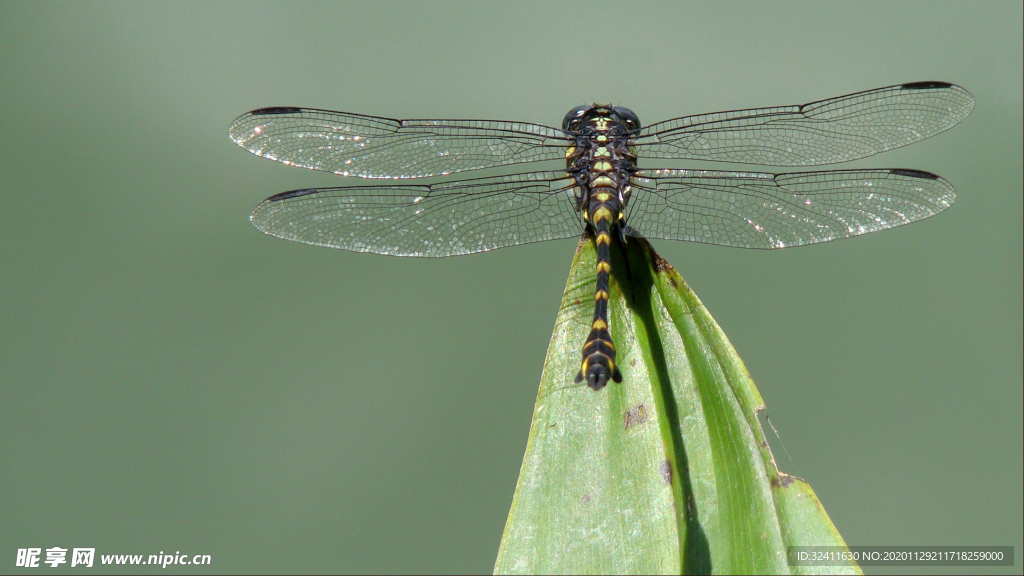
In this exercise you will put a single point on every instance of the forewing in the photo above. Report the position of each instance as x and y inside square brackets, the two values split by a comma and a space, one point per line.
[443, 219]
[825, 132]
[758, 210]
[372, 147]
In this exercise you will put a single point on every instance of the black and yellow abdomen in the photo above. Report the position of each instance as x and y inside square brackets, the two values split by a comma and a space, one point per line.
[599, 351]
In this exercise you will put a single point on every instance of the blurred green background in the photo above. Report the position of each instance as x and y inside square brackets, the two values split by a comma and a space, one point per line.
[173, 380]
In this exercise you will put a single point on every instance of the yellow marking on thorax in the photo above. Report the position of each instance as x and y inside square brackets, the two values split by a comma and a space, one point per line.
[570, 151]
[601, 152]
[600, 324]
[602, 138]
[603, 196]
[603, 166]
[603, 181]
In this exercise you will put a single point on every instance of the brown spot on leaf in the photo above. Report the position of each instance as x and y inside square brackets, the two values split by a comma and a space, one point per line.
[782, 480]
[634, 416]
[585, 499]
[660, 264]
[666, 472]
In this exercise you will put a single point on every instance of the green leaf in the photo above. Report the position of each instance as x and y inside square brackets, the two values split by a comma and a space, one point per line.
[667, 472]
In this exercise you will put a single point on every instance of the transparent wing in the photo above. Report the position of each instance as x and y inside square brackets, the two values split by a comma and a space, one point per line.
[757, 210]
[372, 147]
[443, 219]
[825, 132]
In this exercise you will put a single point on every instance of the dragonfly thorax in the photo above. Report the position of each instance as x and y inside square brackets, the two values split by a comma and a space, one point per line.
[602, 161]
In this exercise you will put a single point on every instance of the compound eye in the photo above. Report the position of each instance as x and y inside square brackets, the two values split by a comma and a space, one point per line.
[629, 117]
[574, 115]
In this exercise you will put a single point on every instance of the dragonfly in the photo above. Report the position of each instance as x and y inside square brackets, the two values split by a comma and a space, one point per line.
[606, 189]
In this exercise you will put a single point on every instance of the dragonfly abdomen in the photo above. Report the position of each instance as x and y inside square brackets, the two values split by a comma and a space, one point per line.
[599, 351]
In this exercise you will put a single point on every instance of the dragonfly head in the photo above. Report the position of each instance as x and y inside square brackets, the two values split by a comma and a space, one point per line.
[580, 116]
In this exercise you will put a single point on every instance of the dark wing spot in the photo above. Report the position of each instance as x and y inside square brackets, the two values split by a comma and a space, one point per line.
[913, 173]
[291, 194]
[275, 110]
[925, 85]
